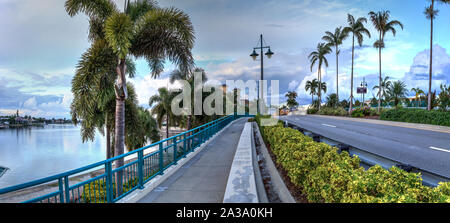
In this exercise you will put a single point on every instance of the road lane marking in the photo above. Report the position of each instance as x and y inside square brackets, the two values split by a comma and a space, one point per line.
[332, 126]
[436, 148]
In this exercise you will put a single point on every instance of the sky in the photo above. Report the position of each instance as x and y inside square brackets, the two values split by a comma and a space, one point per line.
[40, 46]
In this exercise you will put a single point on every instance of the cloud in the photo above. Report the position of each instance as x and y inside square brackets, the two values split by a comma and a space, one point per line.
[38, 95]
[147, 86]
[418, 75]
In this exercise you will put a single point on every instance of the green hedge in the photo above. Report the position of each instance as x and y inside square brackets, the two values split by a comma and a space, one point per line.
[333, 111]
[325, 175]
[422, 116]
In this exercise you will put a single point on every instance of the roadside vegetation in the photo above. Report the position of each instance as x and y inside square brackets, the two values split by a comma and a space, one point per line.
[392, 94]
[323, 174]
[396, 106]
[422, 116]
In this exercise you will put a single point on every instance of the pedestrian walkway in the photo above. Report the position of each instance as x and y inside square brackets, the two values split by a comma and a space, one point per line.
[202, 179]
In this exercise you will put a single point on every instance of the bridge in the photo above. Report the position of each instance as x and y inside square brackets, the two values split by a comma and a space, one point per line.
[193, 166]
[221, 162]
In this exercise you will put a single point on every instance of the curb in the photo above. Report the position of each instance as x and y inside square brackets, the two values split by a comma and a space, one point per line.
[277, 182]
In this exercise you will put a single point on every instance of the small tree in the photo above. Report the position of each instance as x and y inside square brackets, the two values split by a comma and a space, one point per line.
[291, 102]
[444, 97]
[332, 100]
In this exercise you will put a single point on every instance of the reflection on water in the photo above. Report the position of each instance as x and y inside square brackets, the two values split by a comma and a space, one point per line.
[36, 152]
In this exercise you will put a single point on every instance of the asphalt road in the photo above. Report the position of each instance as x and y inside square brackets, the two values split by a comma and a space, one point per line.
[424, 149]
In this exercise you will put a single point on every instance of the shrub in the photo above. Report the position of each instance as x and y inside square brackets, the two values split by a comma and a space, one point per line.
[422, 116]
[325, 175]
[312, 110]
[333, 111]
[361, 112]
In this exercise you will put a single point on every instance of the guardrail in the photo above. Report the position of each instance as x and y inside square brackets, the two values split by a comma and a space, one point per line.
[131, 176]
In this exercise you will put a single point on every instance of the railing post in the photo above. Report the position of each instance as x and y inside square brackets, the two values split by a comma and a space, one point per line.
[66, 189]
[109, 195]
[61, 190]
[175, 150]
[141, 168]
[161, 160]
[184, 145]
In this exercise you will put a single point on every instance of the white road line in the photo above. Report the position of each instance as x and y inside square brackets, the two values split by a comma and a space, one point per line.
[436, 148]
[332, 126]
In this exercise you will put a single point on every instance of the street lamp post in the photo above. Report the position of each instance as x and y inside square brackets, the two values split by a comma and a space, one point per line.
[254, 55]
[364, 86]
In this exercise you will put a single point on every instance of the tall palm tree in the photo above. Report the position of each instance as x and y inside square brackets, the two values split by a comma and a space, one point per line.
[381, 22]
[335, 39]
[319, 58]
[93, 91]
[312, 86]
[162, 108]
[431, 15]
[382, 87]
[142, 30]
[397, 91]
[356, 27]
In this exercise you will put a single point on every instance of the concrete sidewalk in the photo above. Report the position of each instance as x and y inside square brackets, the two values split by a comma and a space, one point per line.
[202, 179]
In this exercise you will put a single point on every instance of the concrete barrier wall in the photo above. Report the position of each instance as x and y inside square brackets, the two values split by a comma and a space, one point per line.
[241, 186]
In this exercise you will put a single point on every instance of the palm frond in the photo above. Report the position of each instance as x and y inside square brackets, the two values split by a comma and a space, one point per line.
[99, 8]
[118, 33]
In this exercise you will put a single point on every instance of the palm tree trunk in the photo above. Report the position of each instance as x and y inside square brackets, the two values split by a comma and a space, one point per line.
[379, 66]
[431, 58]
[351, 82]
[120, 122]
[189, 122]
[167, 126]
[337, 77]
[108, 138]
[320, 85]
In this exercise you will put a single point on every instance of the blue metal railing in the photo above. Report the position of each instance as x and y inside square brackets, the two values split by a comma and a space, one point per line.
[131, 176]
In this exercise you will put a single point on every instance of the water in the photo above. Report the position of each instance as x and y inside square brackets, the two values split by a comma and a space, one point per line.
[37, 152]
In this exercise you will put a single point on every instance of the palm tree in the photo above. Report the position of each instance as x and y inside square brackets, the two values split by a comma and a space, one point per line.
[380, 21]
[335, 39]
[323, 87]
[373, 101]
[92, 87]
[319, 58]
[188, 76]
[312, 86]
[385, 83]
[142, 30]
[431, 15]
[417, 93]
[162, 108]
[291, 102]
[397, 91]
[356, 27]
[332, 100]
[145, 128]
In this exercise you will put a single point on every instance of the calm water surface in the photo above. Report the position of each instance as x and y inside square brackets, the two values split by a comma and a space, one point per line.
[36, 152]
